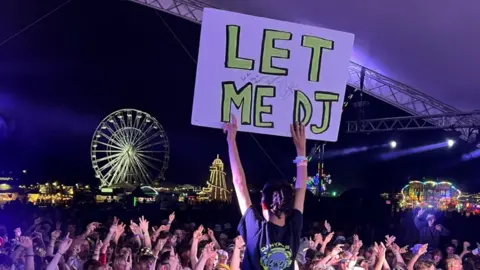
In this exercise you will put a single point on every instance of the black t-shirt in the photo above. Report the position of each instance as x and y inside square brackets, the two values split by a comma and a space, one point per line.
[269, 246]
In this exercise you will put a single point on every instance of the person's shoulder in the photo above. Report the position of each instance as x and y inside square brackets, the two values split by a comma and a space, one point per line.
[296, 213]
[252, 212]
[295, 216]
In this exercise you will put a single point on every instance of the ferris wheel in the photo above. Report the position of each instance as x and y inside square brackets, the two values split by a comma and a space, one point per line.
[129, 147]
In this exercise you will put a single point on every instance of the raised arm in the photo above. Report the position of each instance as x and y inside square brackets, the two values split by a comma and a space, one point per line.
[238, 175]
[419, 222]
[298, 134]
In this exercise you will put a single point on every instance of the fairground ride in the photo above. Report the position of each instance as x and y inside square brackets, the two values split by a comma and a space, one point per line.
[129, 147]
[441, 195]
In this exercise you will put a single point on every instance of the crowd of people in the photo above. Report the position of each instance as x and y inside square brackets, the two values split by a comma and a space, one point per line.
[273, 237]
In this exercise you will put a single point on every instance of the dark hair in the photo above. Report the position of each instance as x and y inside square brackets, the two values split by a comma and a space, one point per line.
[277, 197]
[92, 264]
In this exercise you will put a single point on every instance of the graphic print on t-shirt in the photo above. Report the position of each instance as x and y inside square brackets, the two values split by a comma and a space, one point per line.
[276, 256]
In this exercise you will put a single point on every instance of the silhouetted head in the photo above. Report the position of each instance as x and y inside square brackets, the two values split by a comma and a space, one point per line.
[277, 198]
[430, 219]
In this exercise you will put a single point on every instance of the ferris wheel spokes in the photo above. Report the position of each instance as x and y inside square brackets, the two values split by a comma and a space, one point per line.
[107, 145]
[129, 146]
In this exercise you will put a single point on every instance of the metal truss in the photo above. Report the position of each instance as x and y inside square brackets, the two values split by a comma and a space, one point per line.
[426, 108]
[361, 78]
[448, 121]
[191, 10]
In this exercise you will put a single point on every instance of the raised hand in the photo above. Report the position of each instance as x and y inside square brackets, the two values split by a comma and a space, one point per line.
[37, 221]
[98, 245]
[389, 240]
[328, 227]
[37, 235]
[318, 239]
[65, 244]
[395, 248]
[171, 218]
[198, 233]
[420, 212]
[25, 242]
[380, 249]
[239, 242]
[404, 249]
[356, 238]
[160, 243]
[120, 229]
[328, 238]
[92, 227]
[209, 250]
[423, 249]
[337, 249]
[55, 235]
[211, 234]
[163, 228]
[231, 129]
[143, 224]
[298, 134]
[135, 228]
[113, 227]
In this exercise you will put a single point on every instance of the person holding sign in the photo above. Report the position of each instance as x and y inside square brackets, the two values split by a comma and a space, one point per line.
[272, 238]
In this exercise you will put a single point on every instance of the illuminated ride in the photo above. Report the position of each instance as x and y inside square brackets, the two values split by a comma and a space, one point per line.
[318, 183]
[129, 147]
[440, 195]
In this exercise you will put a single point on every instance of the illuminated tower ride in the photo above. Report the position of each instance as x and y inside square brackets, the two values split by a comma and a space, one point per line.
[318, 184]
[216, 189]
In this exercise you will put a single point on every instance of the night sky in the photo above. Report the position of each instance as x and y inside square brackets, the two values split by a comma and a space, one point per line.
[62, 76]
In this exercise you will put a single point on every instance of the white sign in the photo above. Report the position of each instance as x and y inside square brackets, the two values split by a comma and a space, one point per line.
[270, 73]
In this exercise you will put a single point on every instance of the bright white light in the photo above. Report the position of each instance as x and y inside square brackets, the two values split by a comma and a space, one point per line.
[393, 144]
[450, 143]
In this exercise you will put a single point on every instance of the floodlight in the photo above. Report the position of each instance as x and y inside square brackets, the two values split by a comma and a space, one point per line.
[393, 144]
[450, 143]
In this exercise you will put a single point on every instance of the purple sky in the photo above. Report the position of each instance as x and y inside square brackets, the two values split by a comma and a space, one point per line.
[429, 45]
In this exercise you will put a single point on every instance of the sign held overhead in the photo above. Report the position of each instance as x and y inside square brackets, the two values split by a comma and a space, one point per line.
[270, 74]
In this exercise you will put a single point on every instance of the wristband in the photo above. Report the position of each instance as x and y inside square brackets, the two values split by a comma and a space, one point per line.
[300, 159]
